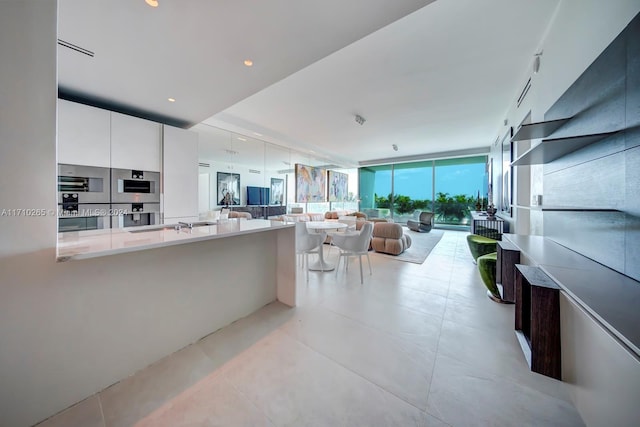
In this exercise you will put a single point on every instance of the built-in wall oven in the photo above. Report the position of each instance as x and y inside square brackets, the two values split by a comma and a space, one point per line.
[134, 214]
[83, 197]
[135, 198]
[135, 186]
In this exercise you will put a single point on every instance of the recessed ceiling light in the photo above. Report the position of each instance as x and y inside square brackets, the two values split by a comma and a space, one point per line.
[171, 99]
[241, 138]
[152, 3]
[257, 134]
[248, 62]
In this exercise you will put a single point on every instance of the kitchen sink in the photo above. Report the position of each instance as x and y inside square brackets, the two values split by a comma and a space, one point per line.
[175, 227]
[197, 224]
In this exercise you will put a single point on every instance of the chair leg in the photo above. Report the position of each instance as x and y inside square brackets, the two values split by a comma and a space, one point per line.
[369, 262]
[306, 258]
[338, 264]
[360, 259]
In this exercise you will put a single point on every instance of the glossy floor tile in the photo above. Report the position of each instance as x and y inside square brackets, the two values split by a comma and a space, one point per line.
[415, 345]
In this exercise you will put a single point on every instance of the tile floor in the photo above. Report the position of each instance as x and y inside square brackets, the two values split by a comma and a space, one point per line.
[416, 345]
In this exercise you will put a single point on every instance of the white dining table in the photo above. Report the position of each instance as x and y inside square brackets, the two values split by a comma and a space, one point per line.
[321, 227]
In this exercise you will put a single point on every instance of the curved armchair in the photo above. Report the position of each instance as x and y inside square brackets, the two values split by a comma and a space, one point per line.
[424, 224]
[307, 243]
[356, 244]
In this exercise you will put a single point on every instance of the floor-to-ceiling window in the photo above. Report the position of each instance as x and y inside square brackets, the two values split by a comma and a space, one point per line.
[412, 190]
[458, 184]
[448, 187]
[375, 191]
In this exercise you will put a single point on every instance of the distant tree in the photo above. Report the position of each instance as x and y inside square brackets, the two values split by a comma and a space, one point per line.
[382, 202]
[403, 204]
[453, 208]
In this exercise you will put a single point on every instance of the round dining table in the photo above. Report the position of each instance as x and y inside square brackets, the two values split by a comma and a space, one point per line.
[322, 227]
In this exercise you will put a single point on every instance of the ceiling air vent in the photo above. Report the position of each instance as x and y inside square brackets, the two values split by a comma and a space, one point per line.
[76, 48]
[254, 171]
[524, 92]
[204, 165]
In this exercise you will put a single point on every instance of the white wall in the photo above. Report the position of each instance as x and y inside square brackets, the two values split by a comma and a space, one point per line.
[68, 330]
[604, 376]
[579, 31]
[28, 89]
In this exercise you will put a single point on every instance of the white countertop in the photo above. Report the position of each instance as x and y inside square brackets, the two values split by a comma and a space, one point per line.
[95, 243]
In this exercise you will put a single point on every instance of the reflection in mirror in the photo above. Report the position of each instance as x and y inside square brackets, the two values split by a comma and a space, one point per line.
[214, 151]
[277, 167]
[265, 171]
[228, 163]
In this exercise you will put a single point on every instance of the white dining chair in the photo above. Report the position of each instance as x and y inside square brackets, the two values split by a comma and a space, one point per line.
[307, 243]
[350, 221]
[354, 244]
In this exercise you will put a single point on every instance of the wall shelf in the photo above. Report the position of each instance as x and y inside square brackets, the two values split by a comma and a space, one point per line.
[565, 208]
[538, 130]
[551, 149]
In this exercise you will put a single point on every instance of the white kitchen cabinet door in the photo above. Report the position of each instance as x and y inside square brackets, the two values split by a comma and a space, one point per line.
[180, 174]
[135, 143]
[84, 134]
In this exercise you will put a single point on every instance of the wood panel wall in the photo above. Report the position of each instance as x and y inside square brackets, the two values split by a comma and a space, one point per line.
[604, 175]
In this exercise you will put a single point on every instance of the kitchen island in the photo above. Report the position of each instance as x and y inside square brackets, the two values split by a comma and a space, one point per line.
[221, 235]
[124, 300]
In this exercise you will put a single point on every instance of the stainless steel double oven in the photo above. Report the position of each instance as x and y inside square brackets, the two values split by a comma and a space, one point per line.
[93, 198]
[135, 197]
[84, 198]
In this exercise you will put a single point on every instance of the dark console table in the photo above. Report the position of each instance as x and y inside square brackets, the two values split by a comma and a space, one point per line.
[264, 212]
[537, 320]
[508, 255]
[482, 226]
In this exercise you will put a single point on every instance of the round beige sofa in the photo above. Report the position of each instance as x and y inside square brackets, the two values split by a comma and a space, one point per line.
[389, 238]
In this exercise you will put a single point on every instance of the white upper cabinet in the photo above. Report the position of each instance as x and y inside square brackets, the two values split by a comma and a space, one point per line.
[84, 135]
[180, 180]
[135, 143]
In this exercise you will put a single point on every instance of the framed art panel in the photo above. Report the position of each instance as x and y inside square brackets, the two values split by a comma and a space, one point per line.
[228, 189]
[311, 184]
[278, 195]
[338, 185]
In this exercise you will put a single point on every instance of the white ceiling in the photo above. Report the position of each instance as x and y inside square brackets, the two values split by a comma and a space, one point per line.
[427, 76]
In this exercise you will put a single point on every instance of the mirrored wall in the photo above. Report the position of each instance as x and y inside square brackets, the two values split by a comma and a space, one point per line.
[249, 174]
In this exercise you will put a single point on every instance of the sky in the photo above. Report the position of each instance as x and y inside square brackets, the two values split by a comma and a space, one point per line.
[416, 183]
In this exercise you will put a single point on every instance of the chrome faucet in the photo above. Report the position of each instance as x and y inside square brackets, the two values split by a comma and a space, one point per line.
[186, 224]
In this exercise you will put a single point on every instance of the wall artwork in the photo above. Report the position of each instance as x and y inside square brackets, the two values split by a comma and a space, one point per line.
[228, 189]
[311, 184]
[277, 192]
[338, 185]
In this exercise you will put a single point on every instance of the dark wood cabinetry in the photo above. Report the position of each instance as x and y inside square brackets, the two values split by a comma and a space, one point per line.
[508, 255]
[263, 212]
[537, 320]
